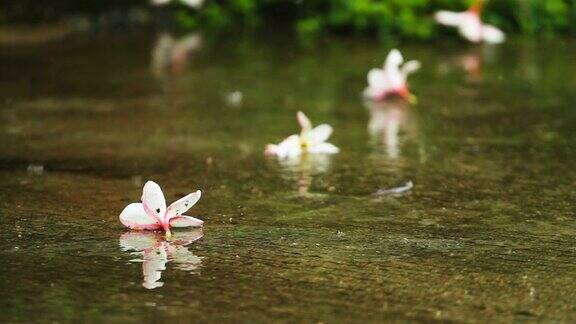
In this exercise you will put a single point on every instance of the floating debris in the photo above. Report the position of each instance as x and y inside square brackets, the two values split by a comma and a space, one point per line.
[395, 191]
[234, 98]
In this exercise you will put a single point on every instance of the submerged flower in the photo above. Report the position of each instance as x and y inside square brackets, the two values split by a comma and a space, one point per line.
[470, 24]
[152, 213]
[311, 140]
[392, 79]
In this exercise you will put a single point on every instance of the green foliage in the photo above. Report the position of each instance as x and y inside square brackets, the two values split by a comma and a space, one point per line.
[385, 18]
[222, 14]
[547, 17]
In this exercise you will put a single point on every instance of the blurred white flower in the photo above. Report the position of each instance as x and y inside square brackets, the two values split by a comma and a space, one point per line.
[191, 3]
[470, 24]
[311, 140]
[392, 79]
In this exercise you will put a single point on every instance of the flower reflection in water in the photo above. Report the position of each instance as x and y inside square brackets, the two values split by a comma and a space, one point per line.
[390, 126]
[303, 169]
[472, 61]
[154, 251]
[171, 55]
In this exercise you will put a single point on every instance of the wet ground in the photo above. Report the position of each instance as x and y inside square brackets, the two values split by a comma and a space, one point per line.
[486, 234]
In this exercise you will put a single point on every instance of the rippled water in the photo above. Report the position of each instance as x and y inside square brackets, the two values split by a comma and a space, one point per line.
[486, 232]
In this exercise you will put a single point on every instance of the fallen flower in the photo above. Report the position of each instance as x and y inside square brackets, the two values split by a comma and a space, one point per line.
[311, 140]
[191, 3]
[470, 24]
[392, 79]
[152, 213]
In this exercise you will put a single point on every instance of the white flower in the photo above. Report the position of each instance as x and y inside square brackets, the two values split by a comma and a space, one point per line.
[392, 79]
[311, 140]
[191, 3]
[470, 25]
[152, 213]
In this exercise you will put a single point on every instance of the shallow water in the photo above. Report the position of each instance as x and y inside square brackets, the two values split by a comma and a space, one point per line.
[486, 233]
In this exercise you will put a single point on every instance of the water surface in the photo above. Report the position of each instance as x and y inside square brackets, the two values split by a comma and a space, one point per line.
[485, 234]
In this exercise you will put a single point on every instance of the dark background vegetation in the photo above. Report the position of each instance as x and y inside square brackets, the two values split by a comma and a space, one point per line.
[401, 18]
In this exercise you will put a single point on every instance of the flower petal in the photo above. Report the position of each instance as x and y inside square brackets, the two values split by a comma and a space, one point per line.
[135, 217]
[290, 147]
[304, 122]
[159, 2]
[183, 204]
[471, 28]
[193, 3]
[186, 221]
[323, 148]
[410, 67]
[153, 200]
[393, 60]
[377, 78]
[492, 34]
[138, 241]
[449, 18]
[319, 134]
[271, 149]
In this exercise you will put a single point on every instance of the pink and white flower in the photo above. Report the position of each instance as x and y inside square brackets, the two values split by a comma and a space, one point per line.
[152, 213]
[392, 79]
[470, 26]
[311, 140]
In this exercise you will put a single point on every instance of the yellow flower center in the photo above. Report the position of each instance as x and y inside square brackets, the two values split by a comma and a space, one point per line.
[304, 144]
